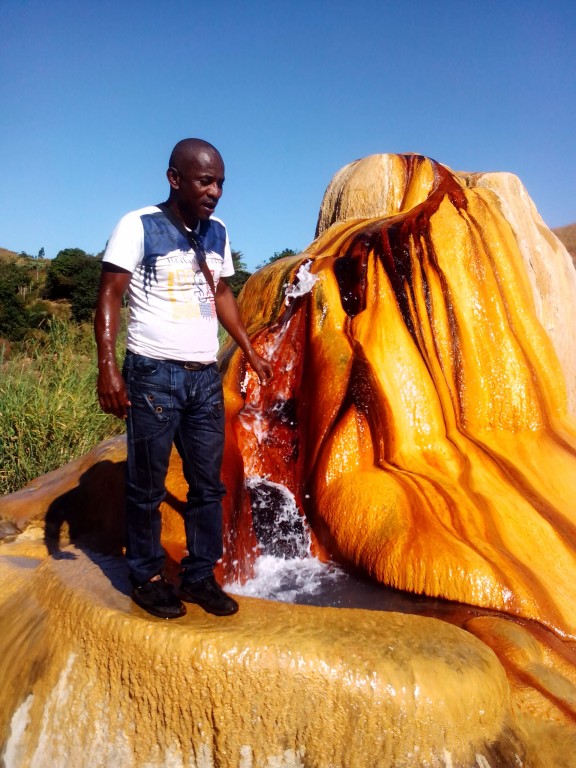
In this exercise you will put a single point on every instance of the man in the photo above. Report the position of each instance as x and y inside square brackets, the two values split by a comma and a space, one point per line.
[172, 260]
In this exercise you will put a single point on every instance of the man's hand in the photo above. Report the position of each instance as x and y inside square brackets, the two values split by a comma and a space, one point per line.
[112, 394]
[229, 316]
[261, 366]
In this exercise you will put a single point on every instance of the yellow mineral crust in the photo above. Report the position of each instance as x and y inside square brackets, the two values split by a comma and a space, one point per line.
[276, 684]
[542, 673]
[386, 185]
[435, 447]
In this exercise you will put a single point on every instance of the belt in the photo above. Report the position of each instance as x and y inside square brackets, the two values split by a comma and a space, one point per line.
[190, 365]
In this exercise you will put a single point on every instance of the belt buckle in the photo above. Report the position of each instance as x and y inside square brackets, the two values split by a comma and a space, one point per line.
[192, 366]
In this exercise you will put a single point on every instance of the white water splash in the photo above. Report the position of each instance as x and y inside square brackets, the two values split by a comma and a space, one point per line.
[294, 580]
[303, 283]
[280, 527]
[285, 570]
[252, 419]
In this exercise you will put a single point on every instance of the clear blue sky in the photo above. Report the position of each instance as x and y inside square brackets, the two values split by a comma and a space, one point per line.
[94, 95]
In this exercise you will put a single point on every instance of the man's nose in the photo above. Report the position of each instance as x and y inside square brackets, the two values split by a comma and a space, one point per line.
[215, 190]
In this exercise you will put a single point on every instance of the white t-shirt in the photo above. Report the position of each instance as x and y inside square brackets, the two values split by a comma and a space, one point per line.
[171, 308]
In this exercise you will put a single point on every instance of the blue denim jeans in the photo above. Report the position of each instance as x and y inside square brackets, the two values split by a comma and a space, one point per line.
[173, 406]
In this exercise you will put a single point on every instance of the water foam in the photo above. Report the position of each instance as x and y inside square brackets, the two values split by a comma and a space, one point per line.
[303, 283]
[289, 580]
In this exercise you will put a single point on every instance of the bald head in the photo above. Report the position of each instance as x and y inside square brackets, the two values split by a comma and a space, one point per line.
[196, 177]
[191, 149]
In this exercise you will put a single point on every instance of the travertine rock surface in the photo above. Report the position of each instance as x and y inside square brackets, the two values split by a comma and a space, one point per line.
[275, 685]
[387, 185]
[419, 414]
[419, 420]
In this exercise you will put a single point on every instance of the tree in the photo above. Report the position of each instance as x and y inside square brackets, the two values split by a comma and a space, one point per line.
[237, 281]
[241, 273]
[41, 253]
[85, 292]
[238, 260]
[14, 319]
[287, 252]
[74, 275]
[62, 273]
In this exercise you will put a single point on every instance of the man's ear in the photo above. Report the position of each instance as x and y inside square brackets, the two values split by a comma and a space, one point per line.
[173, 177]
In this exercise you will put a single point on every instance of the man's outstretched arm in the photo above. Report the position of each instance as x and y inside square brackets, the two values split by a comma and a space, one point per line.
[229, 316]
[111, 387]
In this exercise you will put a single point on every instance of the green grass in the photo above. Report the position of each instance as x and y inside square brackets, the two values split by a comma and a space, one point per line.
[49, 412]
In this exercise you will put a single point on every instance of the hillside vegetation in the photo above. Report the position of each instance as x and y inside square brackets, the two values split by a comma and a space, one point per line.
[49, 412]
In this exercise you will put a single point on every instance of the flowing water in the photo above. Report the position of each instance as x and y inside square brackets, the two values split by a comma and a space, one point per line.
[286, 571]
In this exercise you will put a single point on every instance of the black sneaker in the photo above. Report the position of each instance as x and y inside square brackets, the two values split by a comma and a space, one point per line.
[208, 594]
[157, 597]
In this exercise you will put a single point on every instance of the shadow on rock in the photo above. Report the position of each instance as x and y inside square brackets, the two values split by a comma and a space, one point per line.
[90, 515]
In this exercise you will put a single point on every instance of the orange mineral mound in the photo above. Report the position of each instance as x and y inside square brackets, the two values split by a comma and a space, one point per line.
[419, 412]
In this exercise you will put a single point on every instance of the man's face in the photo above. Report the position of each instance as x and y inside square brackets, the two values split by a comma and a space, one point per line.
[197, 185]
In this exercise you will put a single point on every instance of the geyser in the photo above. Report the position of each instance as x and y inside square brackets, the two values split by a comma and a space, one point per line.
[420, 425]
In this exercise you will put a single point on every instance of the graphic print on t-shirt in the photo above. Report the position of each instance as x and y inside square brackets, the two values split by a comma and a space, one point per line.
[200, 301]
